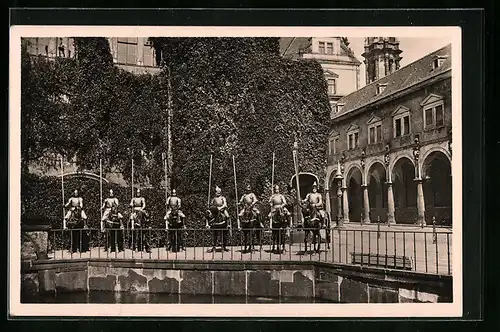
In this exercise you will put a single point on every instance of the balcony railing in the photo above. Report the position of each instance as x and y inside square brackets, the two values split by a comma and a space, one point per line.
[426, 250]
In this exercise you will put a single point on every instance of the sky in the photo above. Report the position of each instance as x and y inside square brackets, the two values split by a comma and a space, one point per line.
[413, 49]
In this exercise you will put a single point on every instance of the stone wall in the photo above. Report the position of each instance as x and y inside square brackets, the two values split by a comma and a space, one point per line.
[334, 282]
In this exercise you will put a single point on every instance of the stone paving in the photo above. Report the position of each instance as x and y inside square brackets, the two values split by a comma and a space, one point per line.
[412, 241]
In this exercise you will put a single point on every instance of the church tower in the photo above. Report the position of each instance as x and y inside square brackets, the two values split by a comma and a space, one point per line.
[382, 57]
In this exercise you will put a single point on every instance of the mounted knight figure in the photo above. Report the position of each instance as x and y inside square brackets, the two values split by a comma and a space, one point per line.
[110, 207]
[314, 202]
[174, 222]
[75, 211]
[280, 219]
[218, 219]
[248, 201]
[174, 213]
[112, 219]
[278, 204]
[251, 219]
[138, 215]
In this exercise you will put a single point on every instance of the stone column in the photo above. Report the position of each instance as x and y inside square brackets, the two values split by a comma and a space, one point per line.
[339, 204]
[420, 203]
[346, 204]
[366, 204]
[390, 204]
[327, 202]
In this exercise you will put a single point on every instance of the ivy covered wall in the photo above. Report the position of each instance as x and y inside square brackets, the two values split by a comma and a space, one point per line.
[229, 96]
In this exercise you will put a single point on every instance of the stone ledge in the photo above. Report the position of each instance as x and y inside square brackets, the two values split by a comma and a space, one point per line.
[343, 283]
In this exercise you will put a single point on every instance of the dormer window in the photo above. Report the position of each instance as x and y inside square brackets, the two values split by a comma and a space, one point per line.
[325, 47]
[438, 61]
[339, 107]
[333, 106]
[381, 88]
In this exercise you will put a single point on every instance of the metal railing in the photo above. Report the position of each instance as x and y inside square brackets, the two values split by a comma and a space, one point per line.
[421, 251]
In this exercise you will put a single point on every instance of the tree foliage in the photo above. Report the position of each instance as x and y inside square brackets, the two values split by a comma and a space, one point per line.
[230, 97]
[238, 96]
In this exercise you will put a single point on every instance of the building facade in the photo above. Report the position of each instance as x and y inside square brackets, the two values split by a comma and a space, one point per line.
[389, 150]
[340, 66]
[136, 55]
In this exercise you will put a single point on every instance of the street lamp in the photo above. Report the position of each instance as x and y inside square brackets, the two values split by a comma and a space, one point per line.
[338, 177]
[296, 164]
[363, 161]
[416, 155]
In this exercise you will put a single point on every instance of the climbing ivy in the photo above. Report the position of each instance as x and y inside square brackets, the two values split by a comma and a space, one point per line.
[230, 97]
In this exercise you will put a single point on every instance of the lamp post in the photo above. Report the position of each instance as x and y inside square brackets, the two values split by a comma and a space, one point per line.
[338, 177]
[418, 180]
[296, 164]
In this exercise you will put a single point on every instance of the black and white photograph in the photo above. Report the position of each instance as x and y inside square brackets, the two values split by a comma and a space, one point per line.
[230, 166]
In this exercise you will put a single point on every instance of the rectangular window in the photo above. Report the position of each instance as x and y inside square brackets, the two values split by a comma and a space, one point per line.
[329, 48]
[127, 50]
[428, 117]
[406, 127]
[398, 127]
[321, 47]
[148, 55]
[372, 139]
[333, 145]
[356, 140]
[375, 134]
[379, 133]
[434, 116]
[350, 142]
[439, 115]
[131, 54]
[332, 88]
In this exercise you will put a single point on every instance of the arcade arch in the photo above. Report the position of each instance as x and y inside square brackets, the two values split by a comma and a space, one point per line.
[405, 189]
[377, 193]
[354, 180]
[437, 186]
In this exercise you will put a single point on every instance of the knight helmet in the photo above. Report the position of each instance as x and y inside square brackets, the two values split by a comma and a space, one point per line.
[248, 187]
[315, 184]
[217, 190]
[174, 192]
[276, 188]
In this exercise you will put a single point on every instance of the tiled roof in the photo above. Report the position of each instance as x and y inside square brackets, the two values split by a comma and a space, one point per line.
[405, 77]
[292, 45]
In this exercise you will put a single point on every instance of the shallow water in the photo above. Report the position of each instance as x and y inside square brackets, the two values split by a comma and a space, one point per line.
[127, 297]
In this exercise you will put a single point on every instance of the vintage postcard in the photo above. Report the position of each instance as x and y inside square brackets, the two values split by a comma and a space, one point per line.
[235, 171]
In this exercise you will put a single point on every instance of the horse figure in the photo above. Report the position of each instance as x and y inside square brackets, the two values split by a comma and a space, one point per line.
[218, 224]
[114, 228]
[175, 225]
[250, 225]
[80, 239]
[280, 223]
[139, 241]
[312, 224]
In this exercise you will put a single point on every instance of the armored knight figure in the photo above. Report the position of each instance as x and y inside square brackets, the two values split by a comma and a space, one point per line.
[220, 202]
[138, 204]
[277, 201]
[249, 200]
[174, 202]
[110, 203]
[315, 200]
[75, 202]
